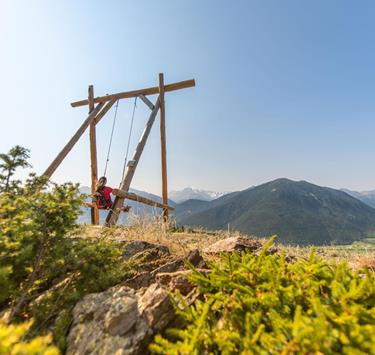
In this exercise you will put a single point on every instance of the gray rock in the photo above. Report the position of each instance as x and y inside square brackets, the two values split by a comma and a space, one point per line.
[142, 279]
[119, 320]
[135, 249]
[195, 258]
[234, 244]
[156, 307]
[146, 278]
[176, 281]
[121, 316]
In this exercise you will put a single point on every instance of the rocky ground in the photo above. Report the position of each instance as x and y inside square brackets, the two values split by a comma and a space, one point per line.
[125, 318]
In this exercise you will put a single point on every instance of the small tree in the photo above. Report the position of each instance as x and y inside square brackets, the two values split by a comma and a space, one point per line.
[44, 271]
[35, 217]
[9, 163]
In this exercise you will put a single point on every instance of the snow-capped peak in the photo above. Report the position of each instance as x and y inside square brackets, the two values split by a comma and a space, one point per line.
[192, 193]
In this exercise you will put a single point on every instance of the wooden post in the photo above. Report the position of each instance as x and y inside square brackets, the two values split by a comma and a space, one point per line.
[113, 214]
[68, 147]
[93, 158]
[163, 146]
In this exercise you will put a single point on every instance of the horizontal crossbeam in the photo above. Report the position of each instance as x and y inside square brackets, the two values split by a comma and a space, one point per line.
[147, 91]
[134, 197]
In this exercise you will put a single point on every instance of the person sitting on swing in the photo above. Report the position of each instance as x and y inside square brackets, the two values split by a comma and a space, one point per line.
[103, 194]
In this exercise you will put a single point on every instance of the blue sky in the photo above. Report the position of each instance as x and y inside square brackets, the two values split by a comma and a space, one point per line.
[284, 88]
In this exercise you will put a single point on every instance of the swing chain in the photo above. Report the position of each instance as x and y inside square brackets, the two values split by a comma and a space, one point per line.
[111, 138]
[129, 139]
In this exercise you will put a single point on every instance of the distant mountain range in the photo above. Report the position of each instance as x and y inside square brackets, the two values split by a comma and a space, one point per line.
[194, 194]
[140, 209]
[298, 212]
[367, 197]
[136, 207]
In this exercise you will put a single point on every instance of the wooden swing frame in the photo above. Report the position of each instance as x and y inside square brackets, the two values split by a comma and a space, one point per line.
[98, 107]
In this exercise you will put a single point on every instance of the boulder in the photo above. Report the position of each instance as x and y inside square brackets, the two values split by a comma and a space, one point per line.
[234, 244]
[195, 258]
[119, 320]
[148, 271]
[136, 249]
[142, 279]
[178, 280]
[156, 307]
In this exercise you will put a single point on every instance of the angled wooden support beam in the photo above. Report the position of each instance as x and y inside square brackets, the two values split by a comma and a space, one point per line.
[163, 145]
[147, 102]
[93, 157]
[68, 147]
[134, 197]
[114, 213]
[106, 108]
[147, 91]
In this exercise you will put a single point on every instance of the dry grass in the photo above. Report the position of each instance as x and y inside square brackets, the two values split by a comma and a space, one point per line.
[153, 230]
[180, 242]
[357, 255]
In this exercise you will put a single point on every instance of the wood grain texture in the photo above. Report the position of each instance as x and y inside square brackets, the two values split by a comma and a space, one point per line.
[163, 145]
[93, 157]
[147, 91]
[134, 197]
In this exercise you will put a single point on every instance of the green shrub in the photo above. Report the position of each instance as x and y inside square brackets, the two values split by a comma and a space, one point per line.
[11, 342]
[44, 269]
[265, 305]
[92, 266]
[35, 221]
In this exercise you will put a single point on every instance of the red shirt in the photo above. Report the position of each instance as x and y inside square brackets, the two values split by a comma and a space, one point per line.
[106, 192]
